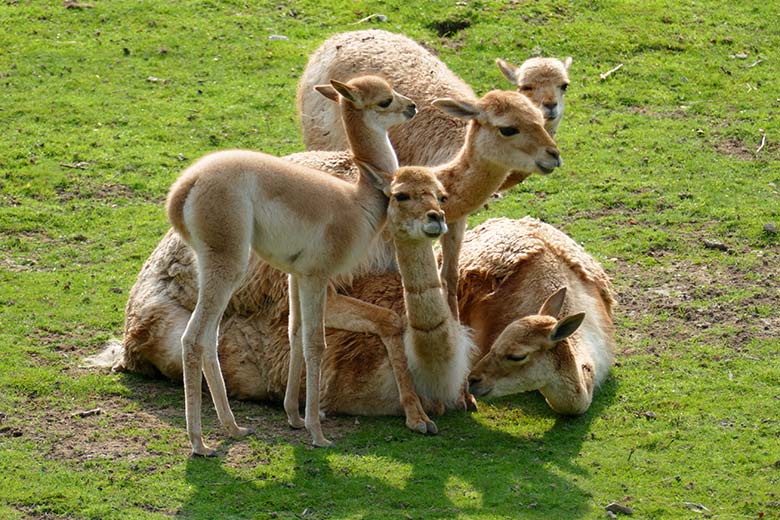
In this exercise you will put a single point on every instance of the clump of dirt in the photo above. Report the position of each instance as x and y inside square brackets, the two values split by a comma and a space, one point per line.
[450, 26]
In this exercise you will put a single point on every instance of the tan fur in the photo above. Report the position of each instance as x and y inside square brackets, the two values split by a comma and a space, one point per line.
[505, 281]
[310, 225]
[357, 378]
[438, 349]
[432, 138]
[544, 81]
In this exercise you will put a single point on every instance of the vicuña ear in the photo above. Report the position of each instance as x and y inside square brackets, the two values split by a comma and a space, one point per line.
[567, 63]
[457, 108]
[380, 179]
[553, 304]
[328, 91]
[509, 70]
[566, 327]
[345, 90]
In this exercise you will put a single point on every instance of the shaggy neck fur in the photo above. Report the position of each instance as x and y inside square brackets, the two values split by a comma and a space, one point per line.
[437, 347]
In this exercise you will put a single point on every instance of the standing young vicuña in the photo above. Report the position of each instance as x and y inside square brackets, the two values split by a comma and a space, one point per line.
[297, 219]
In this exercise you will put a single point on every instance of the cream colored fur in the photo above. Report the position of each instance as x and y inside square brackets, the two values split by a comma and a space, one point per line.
[300, 221]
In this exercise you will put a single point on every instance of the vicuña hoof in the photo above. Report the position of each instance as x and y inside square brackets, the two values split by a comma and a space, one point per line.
[204, 451]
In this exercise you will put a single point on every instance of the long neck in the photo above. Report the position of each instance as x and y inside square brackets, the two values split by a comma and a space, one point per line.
[369, 143]
[469, 178]
[426, 308]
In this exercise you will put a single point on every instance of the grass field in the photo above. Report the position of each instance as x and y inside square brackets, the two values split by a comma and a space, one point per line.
[103, 103]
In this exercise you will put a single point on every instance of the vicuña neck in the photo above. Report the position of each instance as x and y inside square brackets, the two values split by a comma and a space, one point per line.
[469, 179]
[426, 308]
[368, 143]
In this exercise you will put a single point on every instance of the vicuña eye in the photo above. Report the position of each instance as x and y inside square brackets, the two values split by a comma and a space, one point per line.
[400, 197]
[526, 88]
[443, 199]
[564, 87]
[386, 103]
[508, 130]
[517, 358]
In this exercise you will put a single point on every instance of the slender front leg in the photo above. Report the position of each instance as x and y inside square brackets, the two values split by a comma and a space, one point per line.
[450, 251]
[346, 313]
[292, 392]
[313, 292]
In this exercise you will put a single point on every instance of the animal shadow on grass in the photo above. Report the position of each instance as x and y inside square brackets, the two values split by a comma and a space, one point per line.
[469, 469]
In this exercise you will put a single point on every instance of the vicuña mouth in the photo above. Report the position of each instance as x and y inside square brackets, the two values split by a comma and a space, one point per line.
[545, 170]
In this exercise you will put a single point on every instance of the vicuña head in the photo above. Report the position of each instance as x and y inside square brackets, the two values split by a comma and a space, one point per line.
[414, 212]
[523, 358]
[544, 81]
[369, 101]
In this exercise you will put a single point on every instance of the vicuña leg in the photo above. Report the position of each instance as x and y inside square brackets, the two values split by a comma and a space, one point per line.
[199, 348]
[450, 251]
[346, 313]
[312, 293]
[292, 392]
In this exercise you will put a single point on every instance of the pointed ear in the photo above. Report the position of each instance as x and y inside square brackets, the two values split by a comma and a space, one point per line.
[380, 179]
[345, 90]
[552, 305]
[456, 108]
[567, 63]
[328, 91]
[566, 327]
[509, 70]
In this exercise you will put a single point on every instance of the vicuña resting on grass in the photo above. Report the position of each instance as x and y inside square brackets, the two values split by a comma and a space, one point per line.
[562, 345]
[308, 224]
[433, 137]
[507, 269]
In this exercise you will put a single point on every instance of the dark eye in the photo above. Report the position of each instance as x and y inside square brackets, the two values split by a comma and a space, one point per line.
[385, 104]
[443, 199]
[517, 358]
[564, 87]
[508, 130]
[400, 197]
[526, 88]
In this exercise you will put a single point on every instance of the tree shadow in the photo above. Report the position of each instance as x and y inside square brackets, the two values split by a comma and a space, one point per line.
[470, 469]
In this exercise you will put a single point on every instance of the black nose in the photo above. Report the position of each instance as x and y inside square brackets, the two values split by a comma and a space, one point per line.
[435, 216]
[551, 106]
[554, 153]
[474, 380]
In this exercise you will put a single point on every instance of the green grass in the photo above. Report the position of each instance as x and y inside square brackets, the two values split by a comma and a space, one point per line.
[101, 108]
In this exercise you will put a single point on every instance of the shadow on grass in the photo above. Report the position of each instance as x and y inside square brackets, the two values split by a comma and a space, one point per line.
[470, 469]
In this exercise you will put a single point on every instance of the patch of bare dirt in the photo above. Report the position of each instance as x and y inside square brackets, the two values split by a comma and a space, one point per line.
[694, 302]
[735, 148]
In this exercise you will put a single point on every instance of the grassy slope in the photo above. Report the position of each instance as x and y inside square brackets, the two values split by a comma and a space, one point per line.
[658, 158]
